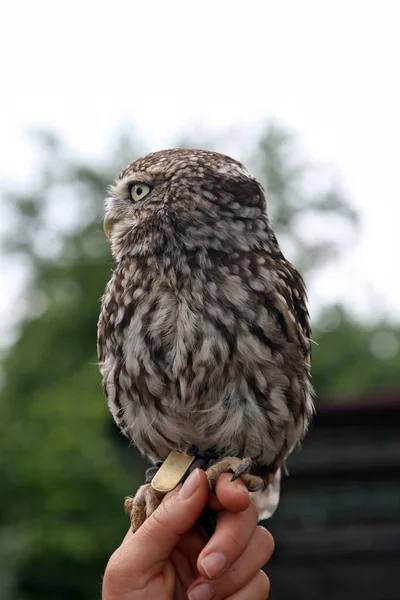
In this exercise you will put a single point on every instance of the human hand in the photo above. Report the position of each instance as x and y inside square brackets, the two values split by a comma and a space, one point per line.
[169, 558]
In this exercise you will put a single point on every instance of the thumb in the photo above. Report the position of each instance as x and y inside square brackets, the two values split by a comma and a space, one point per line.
[154, 541]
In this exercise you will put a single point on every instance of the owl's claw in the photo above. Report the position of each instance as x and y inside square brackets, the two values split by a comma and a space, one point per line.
[244, 467]
[142, 505]
[211, 484]
[239, 467]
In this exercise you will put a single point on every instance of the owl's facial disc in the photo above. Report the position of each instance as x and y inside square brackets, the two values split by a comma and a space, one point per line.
[119, 205]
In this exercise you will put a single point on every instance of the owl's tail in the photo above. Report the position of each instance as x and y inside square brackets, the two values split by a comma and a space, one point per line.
[267, 500]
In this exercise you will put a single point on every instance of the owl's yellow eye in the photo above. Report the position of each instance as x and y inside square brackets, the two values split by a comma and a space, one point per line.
[139, 191]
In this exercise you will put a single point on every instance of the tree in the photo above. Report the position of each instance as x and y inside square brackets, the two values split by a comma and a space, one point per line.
[302, 198]
[62, 478]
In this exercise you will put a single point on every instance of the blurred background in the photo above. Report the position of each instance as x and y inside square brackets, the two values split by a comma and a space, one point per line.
[305, 94]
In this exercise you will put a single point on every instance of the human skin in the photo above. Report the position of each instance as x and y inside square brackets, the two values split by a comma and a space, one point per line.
[169, 558]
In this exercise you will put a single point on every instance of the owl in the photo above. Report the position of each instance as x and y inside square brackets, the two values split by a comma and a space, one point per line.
[204, 332]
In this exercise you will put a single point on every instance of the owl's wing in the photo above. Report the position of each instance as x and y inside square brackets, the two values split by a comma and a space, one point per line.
[288, 301]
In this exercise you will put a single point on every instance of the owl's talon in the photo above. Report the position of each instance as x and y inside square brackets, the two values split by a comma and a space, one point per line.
[244, 467]
[142, 505]
[211, 484]
[239, 467]
[255, 484]
[128, 504]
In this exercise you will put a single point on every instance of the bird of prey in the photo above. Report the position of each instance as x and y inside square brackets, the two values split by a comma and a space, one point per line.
[204, 332]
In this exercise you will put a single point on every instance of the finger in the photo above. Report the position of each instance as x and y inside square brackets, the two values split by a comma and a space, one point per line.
[229, 495]
[128, 535]
[184, 556]
[191, 544]
[232, 535]
[241, 572]
[142, 555]
[257, 589]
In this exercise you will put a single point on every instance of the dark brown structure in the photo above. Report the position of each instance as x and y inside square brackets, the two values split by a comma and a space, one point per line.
[337, 529]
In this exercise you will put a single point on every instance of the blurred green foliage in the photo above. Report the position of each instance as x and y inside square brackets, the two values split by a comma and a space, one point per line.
[63, 474]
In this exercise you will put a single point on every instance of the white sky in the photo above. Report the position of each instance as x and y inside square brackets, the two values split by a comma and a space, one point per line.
[329, 70]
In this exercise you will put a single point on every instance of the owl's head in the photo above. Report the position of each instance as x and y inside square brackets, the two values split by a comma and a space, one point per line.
[180, 197]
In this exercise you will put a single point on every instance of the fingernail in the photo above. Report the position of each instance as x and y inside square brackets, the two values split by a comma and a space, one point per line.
[213, 564]
[204, 591]
[190, 486]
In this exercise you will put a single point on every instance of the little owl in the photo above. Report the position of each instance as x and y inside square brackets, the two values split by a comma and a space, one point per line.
[204, 334]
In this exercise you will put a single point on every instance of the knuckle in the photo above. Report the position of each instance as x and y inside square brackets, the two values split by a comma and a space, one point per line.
[268, 541]
[233, 544]
[164, 513]
[160, 515]
[114, 575]
[253, 510]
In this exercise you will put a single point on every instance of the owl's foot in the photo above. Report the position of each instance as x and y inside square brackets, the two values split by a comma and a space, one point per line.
[142, 505]
[239, 467]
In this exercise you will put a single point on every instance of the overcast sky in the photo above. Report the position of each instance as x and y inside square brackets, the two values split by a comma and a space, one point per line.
[329, 70]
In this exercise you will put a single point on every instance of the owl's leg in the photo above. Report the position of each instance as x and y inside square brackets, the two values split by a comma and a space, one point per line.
[142, 505]
[239, 467]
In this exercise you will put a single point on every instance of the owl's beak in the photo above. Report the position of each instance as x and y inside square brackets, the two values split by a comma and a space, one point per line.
[108, 225]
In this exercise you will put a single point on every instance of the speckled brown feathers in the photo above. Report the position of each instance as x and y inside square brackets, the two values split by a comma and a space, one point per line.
[204, 334]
